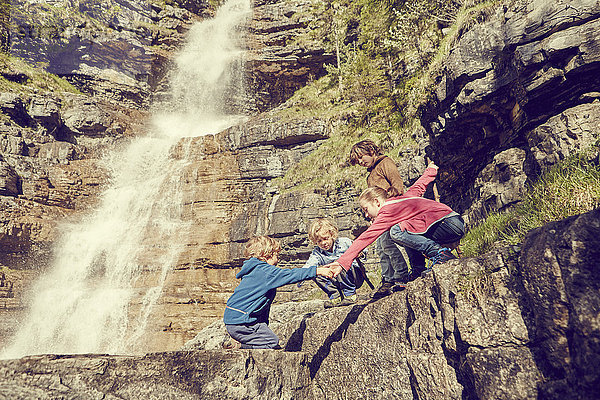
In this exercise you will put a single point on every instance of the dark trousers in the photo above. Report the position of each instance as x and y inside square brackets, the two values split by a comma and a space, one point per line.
[254, 336]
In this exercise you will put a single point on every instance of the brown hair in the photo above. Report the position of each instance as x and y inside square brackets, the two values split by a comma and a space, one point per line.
[361, 148]
[370, 194]
[319, 225]
[262, 247]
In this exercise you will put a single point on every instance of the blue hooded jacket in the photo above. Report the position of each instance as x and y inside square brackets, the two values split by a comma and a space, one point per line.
[251, 300]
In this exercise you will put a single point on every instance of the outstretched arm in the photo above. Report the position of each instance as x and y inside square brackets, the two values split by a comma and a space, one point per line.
[419, 187]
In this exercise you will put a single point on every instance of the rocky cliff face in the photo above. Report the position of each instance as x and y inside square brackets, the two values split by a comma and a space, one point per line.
[51, 142]
[511, 324]
[518, 94]
[228, 196]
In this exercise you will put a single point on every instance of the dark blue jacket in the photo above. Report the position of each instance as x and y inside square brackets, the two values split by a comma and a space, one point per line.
[251, 300]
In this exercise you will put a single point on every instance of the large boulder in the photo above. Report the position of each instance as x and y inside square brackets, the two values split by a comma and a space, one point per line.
[559, 271]
[262, 375]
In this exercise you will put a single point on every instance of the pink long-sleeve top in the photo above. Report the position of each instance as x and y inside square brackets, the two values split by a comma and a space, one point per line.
[414, 213]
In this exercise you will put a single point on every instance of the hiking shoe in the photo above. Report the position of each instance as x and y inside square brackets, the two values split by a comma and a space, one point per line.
[416, 273]
[443, 255]
[398, 287]
[232, 344]
[348, 300]
[334, 302]
[384, 290]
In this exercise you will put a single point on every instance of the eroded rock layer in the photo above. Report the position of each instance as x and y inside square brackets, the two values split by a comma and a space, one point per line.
[511, 324]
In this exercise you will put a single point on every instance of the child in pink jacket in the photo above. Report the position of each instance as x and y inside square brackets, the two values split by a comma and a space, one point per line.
[421, 225]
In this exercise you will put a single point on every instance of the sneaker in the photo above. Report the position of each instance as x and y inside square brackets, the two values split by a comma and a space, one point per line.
[232, 344]
[384, 290]
[398, 287]
[334, 302]
[349, 300]
[443, 255]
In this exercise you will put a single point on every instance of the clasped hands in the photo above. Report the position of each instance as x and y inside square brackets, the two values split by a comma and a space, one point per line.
[330, 270]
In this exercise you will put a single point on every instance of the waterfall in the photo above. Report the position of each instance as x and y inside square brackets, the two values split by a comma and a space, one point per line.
[83, 303]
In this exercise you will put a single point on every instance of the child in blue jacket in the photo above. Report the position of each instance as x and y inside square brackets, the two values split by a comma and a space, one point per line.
[246, 314]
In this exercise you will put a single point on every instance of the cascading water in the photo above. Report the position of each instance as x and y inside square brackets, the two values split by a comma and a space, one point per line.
[82, 305]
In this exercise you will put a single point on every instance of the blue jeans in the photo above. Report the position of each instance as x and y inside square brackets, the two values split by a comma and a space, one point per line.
[393, 264]
[448, 230]
[254, 336]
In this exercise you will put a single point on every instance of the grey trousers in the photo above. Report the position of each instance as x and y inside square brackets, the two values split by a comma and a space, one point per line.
[254, 336]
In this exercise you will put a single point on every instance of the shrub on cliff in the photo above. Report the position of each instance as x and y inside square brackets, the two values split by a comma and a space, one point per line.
[388, 54]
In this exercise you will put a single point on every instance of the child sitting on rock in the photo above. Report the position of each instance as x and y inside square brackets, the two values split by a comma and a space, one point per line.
[421, 225]
[323, 233]
[246, 314]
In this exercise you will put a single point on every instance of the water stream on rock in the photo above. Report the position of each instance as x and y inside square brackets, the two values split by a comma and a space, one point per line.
[84, 303]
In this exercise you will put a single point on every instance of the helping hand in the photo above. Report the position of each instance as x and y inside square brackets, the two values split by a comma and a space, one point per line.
[335, 267]
[324, 271]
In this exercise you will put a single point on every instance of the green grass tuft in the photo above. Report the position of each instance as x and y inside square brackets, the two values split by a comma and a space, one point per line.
[38, 79]
[569, 188]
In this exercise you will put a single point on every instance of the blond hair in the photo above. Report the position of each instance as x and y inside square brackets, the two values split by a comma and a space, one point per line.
[262, 247]
[370, 194]
[320, 226]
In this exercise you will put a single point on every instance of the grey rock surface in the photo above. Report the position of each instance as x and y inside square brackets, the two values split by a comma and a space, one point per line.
[526, 79]
[510, 324]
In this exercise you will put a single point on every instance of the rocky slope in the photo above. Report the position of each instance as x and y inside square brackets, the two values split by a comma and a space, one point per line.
[511, 324]
[483, 167]
[518, 94]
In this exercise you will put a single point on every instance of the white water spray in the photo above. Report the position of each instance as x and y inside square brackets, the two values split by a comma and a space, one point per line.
[83, 304]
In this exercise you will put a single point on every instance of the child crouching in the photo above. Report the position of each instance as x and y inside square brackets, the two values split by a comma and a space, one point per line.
[246, 314]
[422, 226]
[323, 233]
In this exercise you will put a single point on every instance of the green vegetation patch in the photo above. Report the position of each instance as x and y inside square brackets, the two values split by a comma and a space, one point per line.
[388, 56]
[35, 78]
[569, 188]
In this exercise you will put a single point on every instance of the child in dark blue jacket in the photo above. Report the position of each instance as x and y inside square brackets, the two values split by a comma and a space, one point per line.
[246, 314]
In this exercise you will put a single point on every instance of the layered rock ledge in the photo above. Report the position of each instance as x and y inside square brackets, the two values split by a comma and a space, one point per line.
[511, 324]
